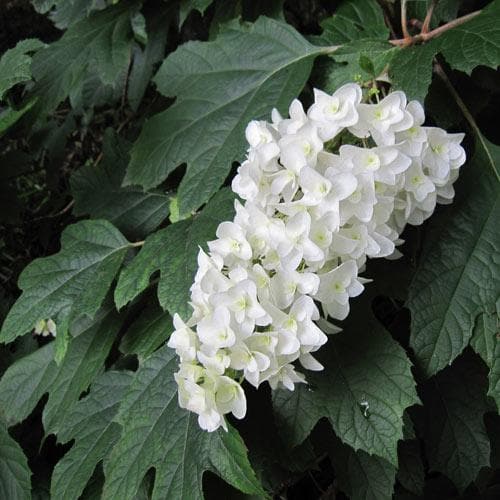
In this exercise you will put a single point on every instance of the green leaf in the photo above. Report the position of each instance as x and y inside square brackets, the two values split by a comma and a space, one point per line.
[411, 473]
[187, 6]
[486, 342]
[220, 86]
[10, 117]
[145, 59]
[64, 13]
[458, 277]
[98, 44]
[455, 435]
[361, 476]
[474, 43]
[355, 20]
[28, 379]
[15, 482]
[98, 191]
[69, 284]
[15, 64]
[90, 424]
[347, 65]
[444, 11]
[157, 433]
[173, 251]
[363, 391]
[147, 333]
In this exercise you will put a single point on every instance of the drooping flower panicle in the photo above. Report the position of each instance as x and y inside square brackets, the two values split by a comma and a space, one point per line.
[323, 190]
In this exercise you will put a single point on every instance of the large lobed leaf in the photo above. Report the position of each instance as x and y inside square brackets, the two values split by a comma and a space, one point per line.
[97, 191]
[173, 252]
[90, 424]
[100, 44]
[157, 433]
[458, 278]
[28, 379]
[69, 284]
[220, 86]
[363, 391]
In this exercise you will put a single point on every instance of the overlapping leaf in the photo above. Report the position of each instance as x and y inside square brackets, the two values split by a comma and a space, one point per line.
[148, 332]
[363, 391]
[220, 86]
[455, 434]
[355, 20]
[15, 64]
[474, 43]
[15, 483]
[458, 278]
[28, 379]
[173, 252]
[157, 433]
[90, 424]
[98, 44]
[361, 476]
[97, 191]
[486, 343]
[69, 284]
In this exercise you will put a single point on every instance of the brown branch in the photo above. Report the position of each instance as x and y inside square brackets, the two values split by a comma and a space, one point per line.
[404, 23]
[428, 17]
[424, 37]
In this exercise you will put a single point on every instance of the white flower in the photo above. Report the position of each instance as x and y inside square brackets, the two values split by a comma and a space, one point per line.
[300, 149]
[314, 211]
[183, 339]
[333, 112]
[45, 328]
[215, 330]
[336, 286]
[231, 241]
[417, 183]
[384, 119]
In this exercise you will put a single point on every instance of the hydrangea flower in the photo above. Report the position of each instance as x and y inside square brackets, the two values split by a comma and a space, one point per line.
[323, 190]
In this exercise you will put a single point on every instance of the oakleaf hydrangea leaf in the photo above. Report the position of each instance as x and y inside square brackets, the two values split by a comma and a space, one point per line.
[411, 473]
[363, 391]
[15, 64]
[28, 379]
[98, 191]
[458, 277]
[220, 86]
[15, 483]
[355, 20]
[90, 424]
[455, 435]
[361, 476]
[173, 251]
[486, 342]
[151, 329]
[186, 6]
[157, 433]
[70, 283]
[100, 43]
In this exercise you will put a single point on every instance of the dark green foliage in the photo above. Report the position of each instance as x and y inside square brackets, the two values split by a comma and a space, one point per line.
[121, 123]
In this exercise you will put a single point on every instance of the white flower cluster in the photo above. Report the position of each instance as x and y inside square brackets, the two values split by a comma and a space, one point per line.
[315, 209]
